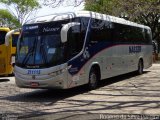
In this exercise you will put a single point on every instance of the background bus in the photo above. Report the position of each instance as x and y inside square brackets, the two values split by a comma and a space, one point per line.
[5, 53]
[15, 37]
[73, 49]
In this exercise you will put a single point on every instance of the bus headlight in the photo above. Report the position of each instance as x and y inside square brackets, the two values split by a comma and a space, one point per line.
[56, 73]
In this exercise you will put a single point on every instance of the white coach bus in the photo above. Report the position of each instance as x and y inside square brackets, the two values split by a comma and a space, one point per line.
[72, 49]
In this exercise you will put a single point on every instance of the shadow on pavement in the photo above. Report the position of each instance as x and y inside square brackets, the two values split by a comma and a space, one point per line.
[54, 94]
[101, 116]
[4, 80]
[50, 97]
[4, 76]
[119, 78]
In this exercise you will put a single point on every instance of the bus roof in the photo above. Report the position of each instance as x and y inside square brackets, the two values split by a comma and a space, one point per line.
[90, 14]
[16, 33]
[4, 29]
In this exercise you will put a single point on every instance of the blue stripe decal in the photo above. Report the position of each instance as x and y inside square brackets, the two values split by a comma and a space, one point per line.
[80, 61]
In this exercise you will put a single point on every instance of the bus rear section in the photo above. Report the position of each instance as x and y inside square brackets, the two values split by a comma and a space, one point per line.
[5, 53]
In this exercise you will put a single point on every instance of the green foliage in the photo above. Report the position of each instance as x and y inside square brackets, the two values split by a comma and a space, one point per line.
[23, 5]
[7, 18]
[23, 8]
[102, 6]
[145, 12]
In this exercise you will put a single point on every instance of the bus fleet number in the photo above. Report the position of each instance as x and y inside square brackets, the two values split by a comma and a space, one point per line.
[34, 72]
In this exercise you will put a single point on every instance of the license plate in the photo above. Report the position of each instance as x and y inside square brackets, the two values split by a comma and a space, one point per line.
[34, 84]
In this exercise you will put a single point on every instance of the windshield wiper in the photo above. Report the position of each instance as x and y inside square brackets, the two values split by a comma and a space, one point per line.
[30, 52]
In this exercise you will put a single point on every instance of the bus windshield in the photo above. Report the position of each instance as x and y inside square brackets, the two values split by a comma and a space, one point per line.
[40, 45]
[41, 50]
[2, 37]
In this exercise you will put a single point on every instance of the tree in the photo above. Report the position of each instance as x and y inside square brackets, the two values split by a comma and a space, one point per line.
[8, 19]
[103, 6]
[145, 12]
[56, 3]
[22, 8]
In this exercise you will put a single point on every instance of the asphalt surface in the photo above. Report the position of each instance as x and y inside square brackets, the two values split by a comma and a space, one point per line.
[130, 96]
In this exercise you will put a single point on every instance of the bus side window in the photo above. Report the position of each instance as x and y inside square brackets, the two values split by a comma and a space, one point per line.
[76, 37]
[75, 41]
[2, 36]
[101, 31]
[148, 37]
[123, 34]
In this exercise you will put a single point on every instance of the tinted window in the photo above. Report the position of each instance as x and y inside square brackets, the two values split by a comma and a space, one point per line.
[2, 37]
[148, 37]
[40, 45]
[14, 40]
[74, 41]
[76, 37]
[128, 34]
[100, 31]
[121, 33]
[138, 35]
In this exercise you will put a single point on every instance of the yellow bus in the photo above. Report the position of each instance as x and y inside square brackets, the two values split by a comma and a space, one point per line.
[15, 37]
[5, 53]
[14, 42]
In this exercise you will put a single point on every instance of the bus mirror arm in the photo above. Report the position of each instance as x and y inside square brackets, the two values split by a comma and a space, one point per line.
[65, 29]
[8, 36]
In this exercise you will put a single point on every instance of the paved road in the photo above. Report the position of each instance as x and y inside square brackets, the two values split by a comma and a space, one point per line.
[123, 96]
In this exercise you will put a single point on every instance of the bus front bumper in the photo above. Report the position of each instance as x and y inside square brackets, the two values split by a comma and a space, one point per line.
[25, 81]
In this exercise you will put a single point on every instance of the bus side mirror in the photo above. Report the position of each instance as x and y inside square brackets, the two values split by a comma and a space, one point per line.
[65, 29]
[8, 35]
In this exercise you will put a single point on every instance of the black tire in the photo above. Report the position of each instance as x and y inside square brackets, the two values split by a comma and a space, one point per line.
[93, 79]
[140, 67]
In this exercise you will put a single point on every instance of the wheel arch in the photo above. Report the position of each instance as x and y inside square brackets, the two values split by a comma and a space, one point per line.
[140, 66]
[96, 66]
[141, 59]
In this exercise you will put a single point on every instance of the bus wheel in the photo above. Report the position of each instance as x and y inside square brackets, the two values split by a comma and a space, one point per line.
[93, 79]
[140, 67]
